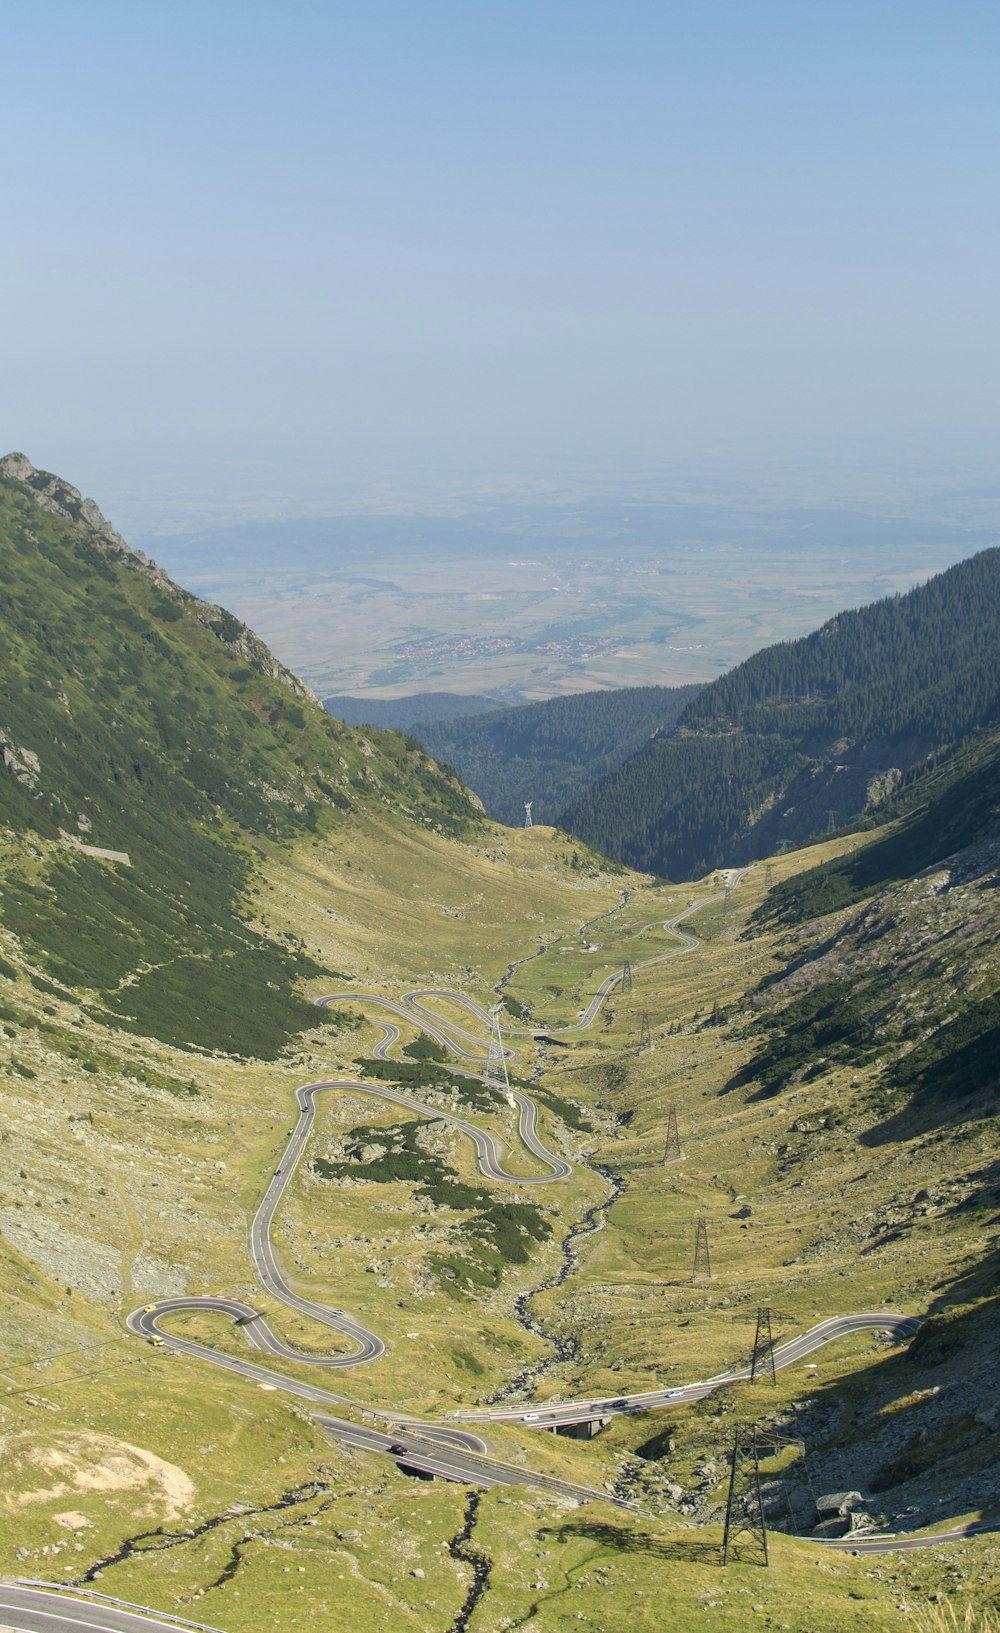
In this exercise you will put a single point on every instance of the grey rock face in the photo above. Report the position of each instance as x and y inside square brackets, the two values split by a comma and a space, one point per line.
[841, 1503]
[62, 499]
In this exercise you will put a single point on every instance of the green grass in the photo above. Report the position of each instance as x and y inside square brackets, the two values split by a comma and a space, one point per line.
[103, 1124]
[631, 1306]
[160, 730]
[494, 1235]
[425, 1048]
[413, 1076]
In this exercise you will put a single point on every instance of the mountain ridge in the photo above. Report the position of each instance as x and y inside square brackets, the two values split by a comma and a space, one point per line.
[808, 734]
[157, 1035]
[140, 720]
[399, 714]
[58, 497]
[547, 751]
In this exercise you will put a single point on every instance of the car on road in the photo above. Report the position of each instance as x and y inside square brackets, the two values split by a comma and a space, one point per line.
[149, 1308]
[397, 1448]
[531, 1417]
[620, 1404]
[672, 1394]
[155, 1340]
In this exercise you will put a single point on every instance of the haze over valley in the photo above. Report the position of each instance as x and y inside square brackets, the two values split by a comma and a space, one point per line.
[500, 818]
[527, 601]
[414, 1086]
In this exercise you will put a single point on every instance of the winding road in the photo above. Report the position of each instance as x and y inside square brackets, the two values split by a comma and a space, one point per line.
[410, 1006]
[52, 1609]
[366, 1345]
[443, 1448]
[583, 1411]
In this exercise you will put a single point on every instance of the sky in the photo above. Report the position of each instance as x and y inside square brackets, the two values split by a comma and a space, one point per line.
[260, 253]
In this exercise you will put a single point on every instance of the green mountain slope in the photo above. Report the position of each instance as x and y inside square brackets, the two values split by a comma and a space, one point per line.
[895, 967]
[550, 752]
[829, 1074]
[139, 720]
[944, 810]
[808, 733]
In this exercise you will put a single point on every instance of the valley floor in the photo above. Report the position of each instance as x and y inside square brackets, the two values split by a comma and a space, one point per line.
[132, 1172]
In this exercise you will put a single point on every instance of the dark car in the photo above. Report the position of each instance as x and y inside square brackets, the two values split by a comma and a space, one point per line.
[397, 1448]
[619, 1403]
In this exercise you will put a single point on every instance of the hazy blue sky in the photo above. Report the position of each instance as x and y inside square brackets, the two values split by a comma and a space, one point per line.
[328, 244]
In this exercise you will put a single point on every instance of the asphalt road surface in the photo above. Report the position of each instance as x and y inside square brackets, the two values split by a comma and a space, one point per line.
[41, 1610]
[425, 1453]
[410, 1006]
[446, 1449]
[583, 1411]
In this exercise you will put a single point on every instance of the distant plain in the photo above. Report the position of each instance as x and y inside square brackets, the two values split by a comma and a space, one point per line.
[524, 601]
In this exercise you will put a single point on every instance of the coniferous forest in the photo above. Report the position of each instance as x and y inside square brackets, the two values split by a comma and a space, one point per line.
[807, 735]
[550, 752]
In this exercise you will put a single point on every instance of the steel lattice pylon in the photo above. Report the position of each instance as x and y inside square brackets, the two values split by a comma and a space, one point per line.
[744, 1508]
[672, 1147]
[702, 1259]
[763, 1347]
[495, 1075]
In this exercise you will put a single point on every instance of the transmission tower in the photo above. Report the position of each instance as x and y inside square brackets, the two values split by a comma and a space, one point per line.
[831, 821]
[645, 1036]
[627, 977]
[784, 845]
[727, 900]
[672, 1149]
[744, 1508]
[768, 876]
[527, 812]
[702, 1260]
[762, 1359]
[495, 1076]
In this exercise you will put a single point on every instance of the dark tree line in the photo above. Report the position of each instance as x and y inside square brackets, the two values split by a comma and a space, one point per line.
[550, 752]
[804, 733]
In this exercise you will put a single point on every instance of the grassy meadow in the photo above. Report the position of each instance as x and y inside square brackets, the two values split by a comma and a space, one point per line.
[132, 1169]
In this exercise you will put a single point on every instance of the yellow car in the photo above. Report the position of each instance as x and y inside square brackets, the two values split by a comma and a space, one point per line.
[156, 1340]
[149, 1308]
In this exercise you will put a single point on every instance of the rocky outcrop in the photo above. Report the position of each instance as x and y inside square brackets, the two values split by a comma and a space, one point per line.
[53, 494]
[22, 763]
[60, 498]
[243, 642]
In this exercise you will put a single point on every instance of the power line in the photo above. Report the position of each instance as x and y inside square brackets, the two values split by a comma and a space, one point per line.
[744, 1508]
[672, 1149]
[495, 1076]
[763, 1347]
[702, 1258]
